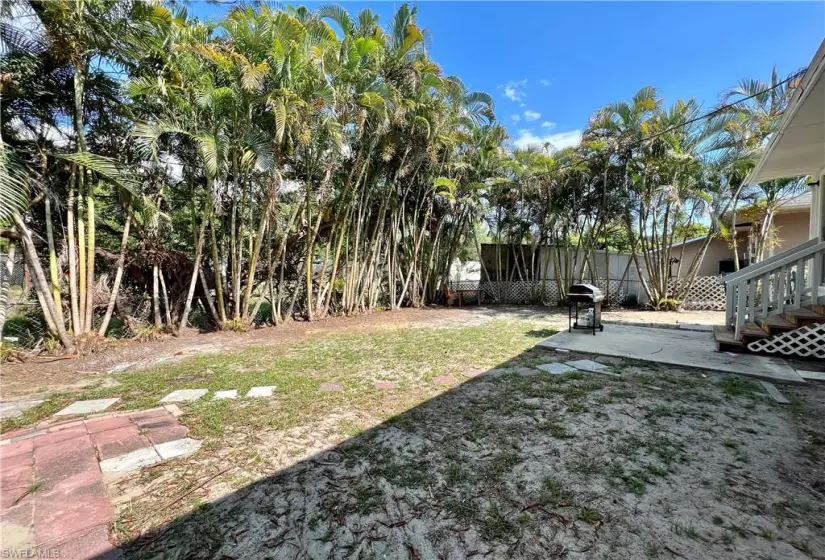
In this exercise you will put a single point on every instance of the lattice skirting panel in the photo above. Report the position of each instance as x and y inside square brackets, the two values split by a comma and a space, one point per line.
[805, 342]
[706, 293]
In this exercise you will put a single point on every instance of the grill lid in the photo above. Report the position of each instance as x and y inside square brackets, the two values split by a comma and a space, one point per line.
[585, 292]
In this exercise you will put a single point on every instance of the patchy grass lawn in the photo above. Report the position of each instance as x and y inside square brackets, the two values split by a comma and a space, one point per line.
[410, 358]
[513, 463]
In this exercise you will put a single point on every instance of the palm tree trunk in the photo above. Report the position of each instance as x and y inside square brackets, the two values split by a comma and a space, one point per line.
[121, 260]
[53, 272]
[184, 318]
[165, 298]
[41, 286]
[155, 296]
[70, 233]
[90, 255]
[80, 328]
[5, 282]
[216, 264]
[208, 295]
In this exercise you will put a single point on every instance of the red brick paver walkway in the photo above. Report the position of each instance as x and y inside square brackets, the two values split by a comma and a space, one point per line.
[52, 492]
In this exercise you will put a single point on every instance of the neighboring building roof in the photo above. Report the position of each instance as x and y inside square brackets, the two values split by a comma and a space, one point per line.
[798, 146]
[800, 203]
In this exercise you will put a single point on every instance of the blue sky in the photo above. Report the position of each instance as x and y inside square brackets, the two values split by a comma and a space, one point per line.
[550, 65]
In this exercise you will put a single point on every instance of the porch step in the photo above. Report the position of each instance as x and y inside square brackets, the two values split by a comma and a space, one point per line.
[802, 317]
[775, 324]
[725, 340]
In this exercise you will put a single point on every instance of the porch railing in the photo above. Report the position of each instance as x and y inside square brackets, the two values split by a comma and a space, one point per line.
[784, 282]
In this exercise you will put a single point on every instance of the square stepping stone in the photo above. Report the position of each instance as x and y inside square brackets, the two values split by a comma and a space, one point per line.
[87, 407]
[331, 387]
[232, 394]
[16, 408]
[591, 366]
[444, 380]
[131, 461]
[265, 391]
[527, 371]
[177, 448]
[184, 395]
[556, 368]
[387, 385]
[475, 372]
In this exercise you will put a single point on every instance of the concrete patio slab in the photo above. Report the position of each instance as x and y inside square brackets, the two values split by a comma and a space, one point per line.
[232, 394]
[673, 347]
[556, 368]
[184, 395]
[265, 391]
[177, 448]
[87, 407]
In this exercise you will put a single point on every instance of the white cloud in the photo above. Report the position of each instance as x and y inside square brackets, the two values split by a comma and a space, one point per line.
[531, 115]
[557, 141]
[516, 118]
[548, 124]
[514, 90]
[545, 83]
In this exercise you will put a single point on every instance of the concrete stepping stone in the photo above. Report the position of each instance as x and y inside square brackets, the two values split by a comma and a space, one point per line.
[16, 408]
[265, 391]
[87, 407]
[131, 461]
[811, 375]
[445, 380]
[475, 372]
[184, 395]
[556, 368]
[386, 385]
[527, 371]
[775, 393]
[610, 360]
[591, 366]
[331, 387]
[232, 394]
[177, 448]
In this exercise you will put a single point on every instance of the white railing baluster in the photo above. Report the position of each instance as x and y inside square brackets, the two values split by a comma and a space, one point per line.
[766, 293]
[816, 280]
[741, 300]
[799, 284]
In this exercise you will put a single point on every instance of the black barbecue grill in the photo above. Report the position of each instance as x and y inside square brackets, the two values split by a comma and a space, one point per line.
[591, 298]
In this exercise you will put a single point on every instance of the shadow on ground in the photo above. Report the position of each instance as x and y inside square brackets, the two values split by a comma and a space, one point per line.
[516, 462]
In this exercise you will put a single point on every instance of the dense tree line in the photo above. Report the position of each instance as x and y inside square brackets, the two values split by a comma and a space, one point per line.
[160, 171]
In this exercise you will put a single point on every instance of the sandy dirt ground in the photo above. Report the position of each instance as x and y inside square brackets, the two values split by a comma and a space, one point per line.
[513, 463]
[44, 376]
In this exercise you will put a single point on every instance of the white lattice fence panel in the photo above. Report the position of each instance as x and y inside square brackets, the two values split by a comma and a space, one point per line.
[805, 342]
[706, 293]
[545, 292]
[521, 291]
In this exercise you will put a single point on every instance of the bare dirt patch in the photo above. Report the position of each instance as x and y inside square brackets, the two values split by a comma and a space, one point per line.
[48, 375]
[652, 464]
